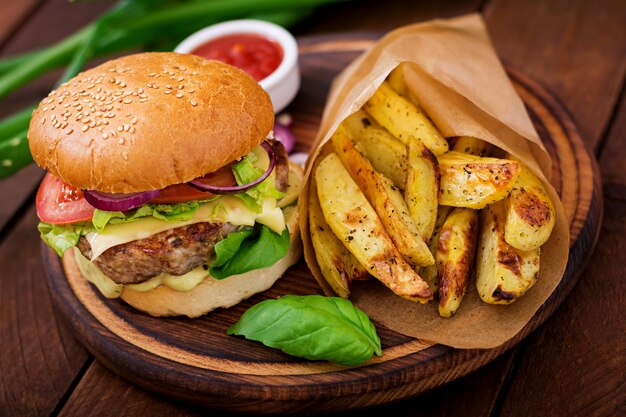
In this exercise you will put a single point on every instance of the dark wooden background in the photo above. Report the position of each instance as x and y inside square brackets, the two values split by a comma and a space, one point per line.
[573, 365]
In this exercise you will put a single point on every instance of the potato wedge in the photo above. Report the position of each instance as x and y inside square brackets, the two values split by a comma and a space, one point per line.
[386, 153]
[355, 223]
[358, 121]
[339, 267]
[530, 213]
[503, 273]
[403, 119]
[378, 190]
[396, 80]
[472, 146]
[455, 258]
[429, 272]
[474, 182]
[422, 187]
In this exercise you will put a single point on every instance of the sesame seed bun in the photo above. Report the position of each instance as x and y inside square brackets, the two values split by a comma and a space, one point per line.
[146, 121]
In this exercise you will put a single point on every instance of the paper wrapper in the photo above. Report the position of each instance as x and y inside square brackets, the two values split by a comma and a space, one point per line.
[460, 83]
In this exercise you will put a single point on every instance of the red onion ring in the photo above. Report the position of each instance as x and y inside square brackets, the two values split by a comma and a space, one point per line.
[118, 202]
[239, 188]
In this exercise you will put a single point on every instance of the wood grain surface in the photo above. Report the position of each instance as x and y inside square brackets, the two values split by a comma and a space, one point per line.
[576, 48]
[194, 360]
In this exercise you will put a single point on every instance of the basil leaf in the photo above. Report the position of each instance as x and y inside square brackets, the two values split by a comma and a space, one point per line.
[227, 248]
[312, 327]
[261, 249]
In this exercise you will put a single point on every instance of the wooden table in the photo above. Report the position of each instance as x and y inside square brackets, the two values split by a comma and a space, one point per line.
[572, 365]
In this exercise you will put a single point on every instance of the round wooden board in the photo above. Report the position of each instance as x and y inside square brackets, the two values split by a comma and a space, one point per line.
[194, 359]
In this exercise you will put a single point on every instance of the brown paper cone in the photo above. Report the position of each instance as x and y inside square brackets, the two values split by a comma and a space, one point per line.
[458, 80]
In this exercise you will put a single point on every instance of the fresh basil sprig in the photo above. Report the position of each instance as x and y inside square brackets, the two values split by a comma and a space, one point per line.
[312, 327]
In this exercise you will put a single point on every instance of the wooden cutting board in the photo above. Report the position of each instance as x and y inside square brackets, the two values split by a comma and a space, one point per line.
[194, 360]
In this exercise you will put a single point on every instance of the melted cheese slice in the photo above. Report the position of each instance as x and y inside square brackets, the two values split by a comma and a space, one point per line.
[224, 209]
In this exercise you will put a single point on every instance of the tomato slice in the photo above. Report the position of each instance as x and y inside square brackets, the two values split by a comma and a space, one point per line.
[58, 202]
[180, 193]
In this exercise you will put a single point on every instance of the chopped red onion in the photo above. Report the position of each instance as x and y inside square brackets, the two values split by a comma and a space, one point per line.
[299, 158]
[284, 135]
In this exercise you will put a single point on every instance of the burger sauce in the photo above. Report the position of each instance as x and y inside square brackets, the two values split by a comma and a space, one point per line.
[256, 55]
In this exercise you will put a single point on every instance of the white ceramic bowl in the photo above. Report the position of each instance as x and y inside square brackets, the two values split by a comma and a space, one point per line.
[282, 85]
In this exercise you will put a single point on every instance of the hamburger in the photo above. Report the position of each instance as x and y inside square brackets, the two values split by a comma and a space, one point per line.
[164, 185]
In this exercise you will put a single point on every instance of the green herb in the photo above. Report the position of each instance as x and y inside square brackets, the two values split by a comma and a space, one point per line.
[312, 327]
[62, 237]
[248, 250]
[179, 212]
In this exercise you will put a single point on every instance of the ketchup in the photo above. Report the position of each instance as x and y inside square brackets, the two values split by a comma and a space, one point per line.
[256, 55]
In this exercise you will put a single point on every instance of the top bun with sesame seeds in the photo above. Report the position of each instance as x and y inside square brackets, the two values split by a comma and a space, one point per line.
[147, 121]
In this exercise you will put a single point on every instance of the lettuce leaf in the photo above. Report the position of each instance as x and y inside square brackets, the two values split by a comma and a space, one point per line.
[167, 212]
[245, 172]
[247, 250]
[61, 237]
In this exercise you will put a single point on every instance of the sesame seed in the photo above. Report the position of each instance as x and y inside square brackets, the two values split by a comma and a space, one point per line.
[193, 102]
[122, 84]
[132, 130]
[121, 141]
[63, 125]
[140, 90]
[126, 128]
[180, 86]
[134, 120]
[127, 101]
[169, 87]
[84, 128]
[120, 128]
[143, 100]
[105, 136]
[191, 90]
[43, 121]
[167, 91]
[179, 95]
[69, 131]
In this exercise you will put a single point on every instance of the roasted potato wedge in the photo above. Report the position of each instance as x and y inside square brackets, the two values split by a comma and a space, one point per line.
[403, 119]
[358, 121]
[355, 223]
[385, 199]
[339, 267]
[474, 182]
[472, 146]
[396, 80]
[422, 187]
[503, 273]
[530, 213]
[386, 153]
[455, 258]
[429, 273]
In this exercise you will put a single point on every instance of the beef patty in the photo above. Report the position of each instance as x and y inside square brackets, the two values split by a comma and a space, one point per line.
[176, 251]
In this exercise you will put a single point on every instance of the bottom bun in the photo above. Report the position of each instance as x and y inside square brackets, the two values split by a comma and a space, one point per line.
[212, 293]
